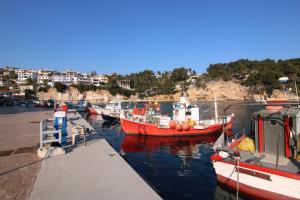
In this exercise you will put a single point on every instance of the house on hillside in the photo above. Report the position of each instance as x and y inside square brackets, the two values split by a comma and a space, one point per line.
[64, 79]
[103, 79]
[124, 84]
[23, 75]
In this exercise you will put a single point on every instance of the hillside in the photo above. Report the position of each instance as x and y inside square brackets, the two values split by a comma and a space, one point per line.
[223, 90]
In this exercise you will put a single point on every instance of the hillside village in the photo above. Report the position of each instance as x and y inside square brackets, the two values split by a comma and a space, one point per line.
[239, 80]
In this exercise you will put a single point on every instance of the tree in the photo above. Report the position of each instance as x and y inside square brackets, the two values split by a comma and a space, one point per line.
[200, 83]
[30, 81]
[60, 87]
[29, 94]
[179, 74]
[93, 73]
[81, 88]
[45, 83]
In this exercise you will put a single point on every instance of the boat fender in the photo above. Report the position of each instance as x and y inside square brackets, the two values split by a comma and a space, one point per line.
[191, 122]
[223, 154]
[186, 127]
[247, 144]
[179, 127]
[172, 124]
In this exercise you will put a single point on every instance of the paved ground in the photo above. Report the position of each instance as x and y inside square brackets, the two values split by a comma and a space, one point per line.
[18, 129]
[92, 172]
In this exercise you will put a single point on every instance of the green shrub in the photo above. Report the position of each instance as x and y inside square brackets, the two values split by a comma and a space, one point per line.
[60, 87]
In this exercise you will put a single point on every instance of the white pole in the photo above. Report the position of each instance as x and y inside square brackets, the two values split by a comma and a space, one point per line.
[216, 108]
[296, 90]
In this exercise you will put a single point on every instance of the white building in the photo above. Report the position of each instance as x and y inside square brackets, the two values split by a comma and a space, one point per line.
[102, 79]
[124, 84]
[23, 75]
[45, 72]
[82, 80]
[65, 79]
[1, 81]
[42, 77]
[71, 73]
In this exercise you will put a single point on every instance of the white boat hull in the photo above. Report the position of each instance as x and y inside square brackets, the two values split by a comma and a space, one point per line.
[258, 183]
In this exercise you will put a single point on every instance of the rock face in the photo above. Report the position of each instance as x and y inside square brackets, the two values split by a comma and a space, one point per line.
[72, 94]
[223, 90]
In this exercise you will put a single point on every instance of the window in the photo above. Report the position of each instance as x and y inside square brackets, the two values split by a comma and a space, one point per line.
[273, 122]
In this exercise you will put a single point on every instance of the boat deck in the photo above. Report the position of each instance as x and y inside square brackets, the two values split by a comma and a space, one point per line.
[269, 160]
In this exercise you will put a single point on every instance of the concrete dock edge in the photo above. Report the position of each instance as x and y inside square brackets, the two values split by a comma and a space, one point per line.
[95, 171]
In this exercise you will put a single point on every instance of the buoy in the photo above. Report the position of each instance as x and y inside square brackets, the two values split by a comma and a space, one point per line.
[190, 122]
[172, 124]
[186, 127]
[179, 127]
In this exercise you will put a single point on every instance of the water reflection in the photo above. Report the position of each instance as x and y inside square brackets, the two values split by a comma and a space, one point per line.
[181, 146]
[186, 148]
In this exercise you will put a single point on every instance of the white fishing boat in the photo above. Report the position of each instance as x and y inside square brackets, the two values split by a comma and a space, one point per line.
[267, 167]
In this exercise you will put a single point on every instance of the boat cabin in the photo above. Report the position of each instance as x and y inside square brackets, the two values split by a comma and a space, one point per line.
[278, 132]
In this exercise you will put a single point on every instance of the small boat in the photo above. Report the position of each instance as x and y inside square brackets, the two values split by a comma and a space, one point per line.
[267, 167]
[94, 109]
[111, 112]
[110, 117]
[185, 122]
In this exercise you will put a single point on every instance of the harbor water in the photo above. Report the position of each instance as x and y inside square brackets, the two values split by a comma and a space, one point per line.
[177, 167]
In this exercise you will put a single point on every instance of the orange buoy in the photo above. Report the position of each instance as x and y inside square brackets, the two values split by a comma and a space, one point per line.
[179, 127]
[186, 127]
[172, 124]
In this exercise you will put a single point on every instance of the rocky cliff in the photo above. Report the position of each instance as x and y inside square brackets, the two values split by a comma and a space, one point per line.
[223, 90]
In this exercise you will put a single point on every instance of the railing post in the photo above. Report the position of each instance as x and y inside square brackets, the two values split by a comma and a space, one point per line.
[41, 134]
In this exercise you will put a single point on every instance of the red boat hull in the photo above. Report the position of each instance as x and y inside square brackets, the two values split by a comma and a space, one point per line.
[92, 111]
[137, 128]
[251, 191]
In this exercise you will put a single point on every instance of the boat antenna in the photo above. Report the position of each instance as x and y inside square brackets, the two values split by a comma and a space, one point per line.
[296, 88]
[216, 107]
[225, 121]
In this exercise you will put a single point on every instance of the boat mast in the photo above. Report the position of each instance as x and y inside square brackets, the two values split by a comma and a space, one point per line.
[296, 88]
[216, 107]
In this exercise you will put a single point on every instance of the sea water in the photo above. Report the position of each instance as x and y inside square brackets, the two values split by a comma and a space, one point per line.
[178, 167]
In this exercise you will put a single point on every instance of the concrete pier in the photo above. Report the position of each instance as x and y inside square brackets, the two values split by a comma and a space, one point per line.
[92, 172]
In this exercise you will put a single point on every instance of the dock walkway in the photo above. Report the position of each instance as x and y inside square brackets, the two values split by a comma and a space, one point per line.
[78, 119]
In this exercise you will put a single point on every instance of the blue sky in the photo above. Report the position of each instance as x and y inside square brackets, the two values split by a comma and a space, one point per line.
[128, 36]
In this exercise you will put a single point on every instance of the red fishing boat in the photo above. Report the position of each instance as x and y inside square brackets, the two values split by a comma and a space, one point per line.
[267, 167]
[94, 110]
[142, 128]
[185, 122]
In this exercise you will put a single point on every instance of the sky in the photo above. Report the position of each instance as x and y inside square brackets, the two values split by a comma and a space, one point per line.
[127, 36]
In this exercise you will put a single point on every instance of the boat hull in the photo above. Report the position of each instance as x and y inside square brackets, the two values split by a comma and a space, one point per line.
[137, 128]
[109, 117]
[259, 182]
[94, 111]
